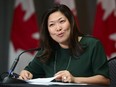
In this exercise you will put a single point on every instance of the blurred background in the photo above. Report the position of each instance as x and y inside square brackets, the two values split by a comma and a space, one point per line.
[20, 24]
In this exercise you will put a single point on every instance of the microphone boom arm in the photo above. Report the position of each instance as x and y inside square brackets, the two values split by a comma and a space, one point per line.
[10, 73]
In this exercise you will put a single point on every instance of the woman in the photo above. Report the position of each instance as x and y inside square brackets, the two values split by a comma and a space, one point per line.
[66, 52]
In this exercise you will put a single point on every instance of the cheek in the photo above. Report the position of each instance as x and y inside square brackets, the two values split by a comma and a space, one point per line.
[67, 26]
[51, 31]
[53, 36]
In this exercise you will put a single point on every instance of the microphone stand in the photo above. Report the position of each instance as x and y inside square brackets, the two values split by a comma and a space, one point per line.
[11, 78]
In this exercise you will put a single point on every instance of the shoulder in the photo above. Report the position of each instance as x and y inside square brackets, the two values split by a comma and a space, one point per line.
[39, 52]
[37, 58]
[90, 40]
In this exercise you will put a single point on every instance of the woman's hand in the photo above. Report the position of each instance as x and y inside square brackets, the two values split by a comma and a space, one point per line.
[64, 76]
[25, 75]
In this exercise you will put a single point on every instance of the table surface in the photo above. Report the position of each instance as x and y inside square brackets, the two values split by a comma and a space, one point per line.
[13, 84]
[32, 85]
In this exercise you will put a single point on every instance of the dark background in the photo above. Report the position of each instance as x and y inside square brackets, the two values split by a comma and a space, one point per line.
[85, 10]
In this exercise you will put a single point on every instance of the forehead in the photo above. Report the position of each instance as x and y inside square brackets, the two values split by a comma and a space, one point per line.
[55, 16]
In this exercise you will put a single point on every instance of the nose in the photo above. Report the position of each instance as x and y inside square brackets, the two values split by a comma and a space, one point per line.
[58, 27]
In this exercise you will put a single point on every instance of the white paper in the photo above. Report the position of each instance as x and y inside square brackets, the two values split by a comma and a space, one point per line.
[56, 83]
[47, 81]
[41, 80]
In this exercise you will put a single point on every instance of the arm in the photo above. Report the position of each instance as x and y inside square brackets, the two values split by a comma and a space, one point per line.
[97, 79]
[32, 70]
[65, 76]
[99, 66]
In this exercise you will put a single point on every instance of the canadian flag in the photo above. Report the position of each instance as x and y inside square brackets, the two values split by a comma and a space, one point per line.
[24, 33]
[71, 5]
[105, 25]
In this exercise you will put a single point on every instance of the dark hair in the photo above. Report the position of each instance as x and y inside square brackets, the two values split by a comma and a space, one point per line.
[48, 44]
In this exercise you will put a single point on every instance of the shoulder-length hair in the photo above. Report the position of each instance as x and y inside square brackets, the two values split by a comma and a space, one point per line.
[48, 44]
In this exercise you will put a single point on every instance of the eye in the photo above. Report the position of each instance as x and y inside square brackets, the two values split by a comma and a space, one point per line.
[62, 21]
[51, 25]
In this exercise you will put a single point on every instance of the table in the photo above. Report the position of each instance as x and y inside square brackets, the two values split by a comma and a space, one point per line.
[17, 83]
[30, 85]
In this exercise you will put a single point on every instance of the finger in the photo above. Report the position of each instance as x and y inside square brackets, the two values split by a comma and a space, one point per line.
[68, 79]
[24, 77]
[30, 76]
[60, 72]
[20, 77]
[27, 76]
[64, 78]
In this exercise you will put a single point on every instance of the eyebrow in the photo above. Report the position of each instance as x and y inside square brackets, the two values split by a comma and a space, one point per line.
[57, 20]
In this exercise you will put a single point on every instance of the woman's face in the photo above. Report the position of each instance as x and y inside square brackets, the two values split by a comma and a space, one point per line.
[59, 28]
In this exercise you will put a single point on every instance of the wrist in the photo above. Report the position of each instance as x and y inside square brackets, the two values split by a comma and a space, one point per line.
[77, 80]
[74, 80]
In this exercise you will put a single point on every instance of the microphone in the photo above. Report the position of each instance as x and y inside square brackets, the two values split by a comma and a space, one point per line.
[11, 78]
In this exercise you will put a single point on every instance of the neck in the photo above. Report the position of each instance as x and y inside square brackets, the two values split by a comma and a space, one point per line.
[64, 46]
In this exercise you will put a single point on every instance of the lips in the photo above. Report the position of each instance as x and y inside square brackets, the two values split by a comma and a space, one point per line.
[60, 34]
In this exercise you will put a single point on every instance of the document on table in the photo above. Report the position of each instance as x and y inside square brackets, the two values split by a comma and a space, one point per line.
[47, 81]
[56, 83]
[41, 80]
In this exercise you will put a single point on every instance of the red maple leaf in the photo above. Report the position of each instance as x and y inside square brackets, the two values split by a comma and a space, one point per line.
[22, 31]
[104, 28]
